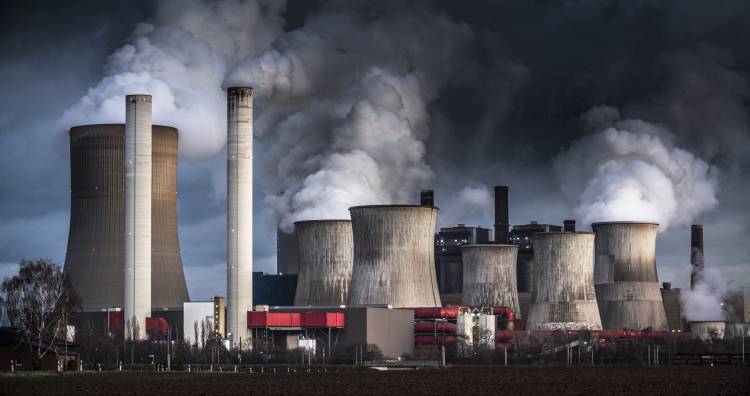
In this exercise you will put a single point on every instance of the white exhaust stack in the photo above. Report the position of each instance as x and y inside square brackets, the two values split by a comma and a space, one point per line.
[239, 213]
[138, 150]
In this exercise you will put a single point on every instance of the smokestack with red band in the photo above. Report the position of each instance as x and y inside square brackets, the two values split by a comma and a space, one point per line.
[427, 198]
[501, 214]
[696, 254]
[569, 225]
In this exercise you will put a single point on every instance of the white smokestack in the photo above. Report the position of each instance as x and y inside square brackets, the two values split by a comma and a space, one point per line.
[239, 213]
[137, 303]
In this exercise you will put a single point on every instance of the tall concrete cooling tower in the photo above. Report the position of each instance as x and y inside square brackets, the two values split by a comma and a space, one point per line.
[563, 296]
[95, 258]
[239, 213]
[326, 250]
[394, 256]
[490, 276]
[627, 287]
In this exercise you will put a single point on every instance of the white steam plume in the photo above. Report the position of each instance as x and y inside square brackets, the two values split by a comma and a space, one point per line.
[344, 109]
[704, 302]
[630, 170]
[181, 59]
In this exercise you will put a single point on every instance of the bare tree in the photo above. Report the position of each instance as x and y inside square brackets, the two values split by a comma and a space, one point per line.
[38, 302]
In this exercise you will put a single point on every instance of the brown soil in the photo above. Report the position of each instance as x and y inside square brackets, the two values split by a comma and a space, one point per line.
[456, 381]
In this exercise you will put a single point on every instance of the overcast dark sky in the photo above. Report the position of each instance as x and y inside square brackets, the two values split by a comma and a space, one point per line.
[491, 92]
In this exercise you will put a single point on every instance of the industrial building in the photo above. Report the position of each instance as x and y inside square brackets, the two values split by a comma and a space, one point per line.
[95, 257]
[326, 250]
[287, 257]
[673, 307]
[563, 297]
[625, 277]
[394, 256]
[274, 289]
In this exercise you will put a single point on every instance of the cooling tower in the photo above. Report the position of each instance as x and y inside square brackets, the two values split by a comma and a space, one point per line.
[239, 213]
[326, 251]
[490, 276]
[563, 295]
[627, 287]
[394, 256]
[96, 248]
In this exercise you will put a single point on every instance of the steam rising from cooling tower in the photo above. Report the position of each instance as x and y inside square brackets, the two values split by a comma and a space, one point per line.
[394, 256]
[489, 276]
[630, 170]
[625, 276]
[138, 176]
[563, 296]
[325, 262]
[239, 213]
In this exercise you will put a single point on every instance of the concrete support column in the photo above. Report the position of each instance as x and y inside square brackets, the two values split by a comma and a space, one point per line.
[138, 175]
[239, 213]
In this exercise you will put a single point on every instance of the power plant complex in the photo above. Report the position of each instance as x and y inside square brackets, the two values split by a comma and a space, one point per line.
[387, 277]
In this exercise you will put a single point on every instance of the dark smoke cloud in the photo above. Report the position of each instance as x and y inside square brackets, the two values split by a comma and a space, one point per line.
[463, 95]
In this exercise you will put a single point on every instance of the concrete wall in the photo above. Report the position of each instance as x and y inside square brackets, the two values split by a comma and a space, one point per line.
[625, 277]
[490, 276]
[391, 330]
[563, 296]
[394, 257]
[138, 178]
[95, 256]
[326, 258]
[239, 213]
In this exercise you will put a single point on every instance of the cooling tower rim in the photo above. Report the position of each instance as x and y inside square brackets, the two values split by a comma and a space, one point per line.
[489, 245]
[323, 221]
[239, 88]
[114, 125]
[708, 321]
[393, 206]
[624, 222]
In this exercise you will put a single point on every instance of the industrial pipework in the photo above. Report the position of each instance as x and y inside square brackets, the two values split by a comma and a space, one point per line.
[563, 296]
[489, 276]
[239, 213]
[326, 250]
[625, 277]
[394, 256]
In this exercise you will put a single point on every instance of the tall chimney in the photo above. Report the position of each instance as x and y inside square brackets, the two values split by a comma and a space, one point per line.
[138, 174]
[569, 225]
[239, 213]
[501, 214]
[696, 254]
[427, 198]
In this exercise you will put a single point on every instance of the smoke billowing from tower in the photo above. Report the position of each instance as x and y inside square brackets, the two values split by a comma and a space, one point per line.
[138, 176]
[239, 213]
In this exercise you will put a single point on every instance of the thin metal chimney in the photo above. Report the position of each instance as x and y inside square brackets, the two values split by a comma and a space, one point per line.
[696, 254]
[239, 214]
[569, 225]
[427, 198]
[501, 214]
[138, 174]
